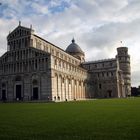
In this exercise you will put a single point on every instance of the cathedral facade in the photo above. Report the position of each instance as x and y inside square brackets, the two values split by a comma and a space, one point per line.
[35, 69]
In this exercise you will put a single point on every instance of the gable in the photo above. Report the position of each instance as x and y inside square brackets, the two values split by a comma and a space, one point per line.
[18, 32]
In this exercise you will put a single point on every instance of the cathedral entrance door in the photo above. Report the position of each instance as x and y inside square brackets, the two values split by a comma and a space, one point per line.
[18, 92]
[109, 93]
[3, 94]
[35, 93]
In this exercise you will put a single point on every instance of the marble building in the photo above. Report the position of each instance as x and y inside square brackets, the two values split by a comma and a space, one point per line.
[35, 69]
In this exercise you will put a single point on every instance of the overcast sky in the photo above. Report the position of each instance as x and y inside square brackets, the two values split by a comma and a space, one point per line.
[98, 26]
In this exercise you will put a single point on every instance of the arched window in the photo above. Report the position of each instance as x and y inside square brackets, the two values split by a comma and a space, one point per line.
[69, 81]
[35, 82]
[18, 78]
[102, 74]
[63, 80]
[55, 62]
[100, 86]
[3, 85]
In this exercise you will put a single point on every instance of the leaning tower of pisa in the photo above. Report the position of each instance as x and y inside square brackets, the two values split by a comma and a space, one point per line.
[124, 64]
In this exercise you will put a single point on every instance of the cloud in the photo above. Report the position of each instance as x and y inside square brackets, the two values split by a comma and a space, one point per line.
[40, 8]
[135, 78]
[129, 12]
[108, 34]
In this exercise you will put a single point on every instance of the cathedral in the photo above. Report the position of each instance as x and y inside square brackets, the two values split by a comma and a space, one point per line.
[35, 69]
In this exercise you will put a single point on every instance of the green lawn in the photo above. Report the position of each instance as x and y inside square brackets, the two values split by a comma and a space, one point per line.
[103, 119]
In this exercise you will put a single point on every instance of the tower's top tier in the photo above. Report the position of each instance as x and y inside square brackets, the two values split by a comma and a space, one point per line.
[122, 51]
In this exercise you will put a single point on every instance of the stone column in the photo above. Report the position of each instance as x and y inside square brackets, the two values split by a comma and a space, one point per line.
[8, 68]
[28, 54]
[16, 67]
[59, 88]
[63, 88]
[37, 64]
[82, 90]
[33, 64]
[75, 89]
[44, 64]
[28, 67]
[70, 89]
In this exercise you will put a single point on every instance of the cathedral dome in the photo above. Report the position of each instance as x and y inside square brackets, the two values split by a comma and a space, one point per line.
[74, 48]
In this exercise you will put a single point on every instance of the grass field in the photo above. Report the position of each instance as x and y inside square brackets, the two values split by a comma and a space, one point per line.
[104, 119]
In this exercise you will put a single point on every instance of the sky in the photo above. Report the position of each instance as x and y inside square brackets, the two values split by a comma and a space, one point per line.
[98, 26]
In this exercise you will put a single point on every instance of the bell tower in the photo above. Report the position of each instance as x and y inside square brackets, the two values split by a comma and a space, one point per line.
[124, 64]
